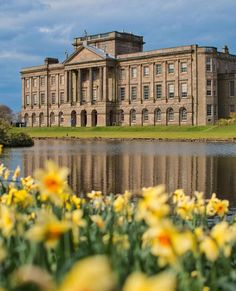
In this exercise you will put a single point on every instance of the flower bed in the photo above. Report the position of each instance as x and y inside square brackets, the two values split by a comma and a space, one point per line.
[51, 239]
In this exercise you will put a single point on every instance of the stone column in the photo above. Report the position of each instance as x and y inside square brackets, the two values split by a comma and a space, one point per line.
[70, 86]
[78, 86]
[164, 89]
[57, 90]
[100, 83]
[140, 87]
[66, 87]
[90, 91]
[128, 86]
[30, 93]
[23, 101]
[152, 83]
[38, 92]
[105, 83]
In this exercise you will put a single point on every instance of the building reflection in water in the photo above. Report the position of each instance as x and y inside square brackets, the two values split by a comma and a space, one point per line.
[114, 167]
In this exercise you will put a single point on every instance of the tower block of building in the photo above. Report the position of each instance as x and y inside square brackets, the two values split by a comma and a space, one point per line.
[109, 80]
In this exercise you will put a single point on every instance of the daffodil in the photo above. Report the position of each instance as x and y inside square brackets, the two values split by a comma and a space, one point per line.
[90, 274]
[216, 206]
[98, 220]
[16, 173]
[165, 281]
[7, 220]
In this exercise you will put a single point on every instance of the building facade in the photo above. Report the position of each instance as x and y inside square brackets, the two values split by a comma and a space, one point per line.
[109, 80]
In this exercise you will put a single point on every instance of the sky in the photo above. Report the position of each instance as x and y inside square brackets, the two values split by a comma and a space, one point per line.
[31, 30]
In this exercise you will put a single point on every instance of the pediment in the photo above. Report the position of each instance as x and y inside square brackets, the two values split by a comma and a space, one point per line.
[82, 55]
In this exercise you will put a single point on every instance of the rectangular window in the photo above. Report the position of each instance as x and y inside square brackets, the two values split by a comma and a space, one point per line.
[209, 110]
[34, 82]
[53, 80]
[27, 83]
[53, 98]
[61, 79]
[158, 91]
[94, 94]
[209, 92]
[133, 72]
[146, 92]
[133, 93]
[171, 68]
[62, 97]
[42, 98]
[184, 67]
[184, 90]
[27, 100]
[171, 91]
[146, 71]
[42, 81]
[122, 93]
[231, 108]
[158, 69]
[209, 64]
[122, 74]
[231, 89]
[84, 95]
[209, 82]
[35, 99]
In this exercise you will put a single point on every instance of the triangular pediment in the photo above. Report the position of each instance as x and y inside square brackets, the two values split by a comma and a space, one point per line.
[85, 54]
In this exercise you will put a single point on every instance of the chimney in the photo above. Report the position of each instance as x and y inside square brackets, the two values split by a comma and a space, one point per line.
[225, 50]
[50, 61]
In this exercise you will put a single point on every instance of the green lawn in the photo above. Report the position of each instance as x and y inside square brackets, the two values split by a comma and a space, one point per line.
[165, 132]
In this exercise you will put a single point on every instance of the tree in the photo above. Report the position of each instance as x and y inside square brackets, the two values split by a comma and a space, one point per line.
[6, 113]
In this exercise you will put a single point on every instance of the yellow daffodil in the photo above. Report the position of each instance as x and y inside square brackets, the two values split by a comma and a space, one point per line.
[216, 206]
[98, 220]
[7, 220]
[90, 274]
[2, 169]
[16, 173]
[178, 196]
[165, 281]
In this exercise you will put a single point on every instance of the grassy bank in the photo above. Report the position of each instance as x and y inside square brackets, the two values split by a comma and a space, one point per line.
[159, 132]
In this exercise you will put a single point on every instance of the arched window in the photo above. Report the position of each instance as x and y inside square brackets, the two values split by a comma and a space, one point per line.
[94, 116]
[52, 118]
[41, 119]
[145, 115]
[183, 114]
[26, 119]
[158, 114]
[132, 116]
[170, 114]
[33, 119]
[121, 116]
[73, 118]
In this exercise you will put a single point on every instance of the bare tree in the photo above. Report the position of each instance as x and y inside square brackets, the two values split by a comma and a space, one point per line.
[6, 113]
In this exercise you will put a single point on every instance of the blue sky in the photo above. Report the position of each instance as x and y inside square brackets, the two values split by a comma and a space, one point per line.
[31, 30]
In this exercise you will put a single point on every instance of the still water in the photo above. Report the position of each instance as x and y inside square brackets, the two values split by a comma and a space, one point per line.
[114, 167]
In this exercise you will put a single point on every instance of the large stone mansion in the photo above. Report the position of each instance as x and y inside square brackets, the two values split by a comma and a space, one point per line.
[110, 80]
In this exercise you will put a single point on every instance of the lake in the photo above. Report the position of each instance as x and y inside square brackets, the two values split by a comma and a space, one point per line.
[113, 167]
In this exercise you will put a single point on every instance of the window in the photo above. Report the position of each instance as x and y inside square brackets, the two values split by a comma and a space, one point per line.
[209, 110]
[62, 97]
[209, 64]
[209, 82]
[133, 72]
[171, 68]
[183, 67]
[158, 91]
[133, 116]
[158, 115]
[61, 80]
[171, 90]
[53, 80]
[122, 74]
[146, 71]
[94, 94]
[170, 114]
[231, 89]
[27, 83]
[183, 114]
[53, 98]
[133, 93]
[231, 108]
[42, 81]
[184, 90]
[94, 72]
[42, 98]
[145, 115]
[122, 93]
[34, 82]
[35, 99]
[27, 100]
[158, 69]
[146, 92]
[122, 116]
[84, 95]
